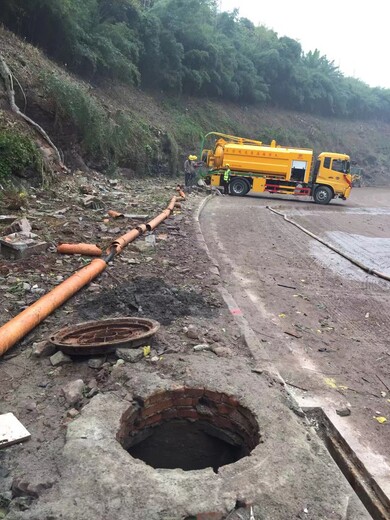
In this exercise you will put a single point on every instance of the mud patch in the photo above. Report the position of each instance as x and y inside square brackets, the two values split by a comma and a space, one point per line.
[146, 297]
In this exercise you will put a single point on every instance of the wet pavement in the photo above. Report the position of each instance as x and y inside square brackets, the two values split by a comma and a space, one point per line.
[323, 323]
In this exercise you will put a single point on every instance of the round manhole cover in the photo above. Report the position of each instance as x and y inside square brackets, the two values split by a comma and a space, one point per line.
[100, 337]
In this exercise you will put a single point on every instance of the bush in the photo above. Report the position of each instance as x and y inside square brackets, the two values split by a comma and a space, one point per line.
[18, 154]
[13, 198]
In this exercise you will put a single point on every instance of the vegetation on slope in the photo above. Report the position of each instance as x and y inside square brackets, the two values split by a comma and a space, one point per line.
[190, 47]
[113, 125]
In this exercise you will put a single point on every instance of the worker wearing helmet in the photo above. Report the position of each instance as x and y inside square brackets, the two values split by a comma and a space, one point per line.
[189, 171]
[226, 179]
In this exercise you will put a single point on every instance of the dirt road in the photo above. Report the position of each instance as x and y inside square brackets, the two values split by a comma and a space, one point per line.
[174, 282]
[323, 323]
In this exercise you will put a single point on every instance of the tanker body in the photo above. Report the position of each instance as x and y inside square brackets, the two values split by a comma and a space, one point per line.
[272, 168]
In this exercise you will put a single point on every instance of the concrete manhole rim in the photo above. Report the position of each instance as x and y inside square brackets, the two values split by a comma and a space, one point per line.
[219, 414]
[132, 332]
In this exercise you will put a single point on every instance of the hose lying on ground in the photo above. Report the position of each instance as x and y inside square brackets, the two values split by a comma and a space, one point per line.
[362, 266]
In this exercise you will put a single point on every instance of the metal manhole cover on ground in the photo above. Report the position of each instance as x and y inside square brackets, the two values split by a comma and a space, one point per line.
[101, 337]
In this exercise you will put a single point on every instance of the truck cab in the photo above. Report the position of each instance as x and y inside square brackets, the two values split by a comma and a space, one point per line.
[331, 177]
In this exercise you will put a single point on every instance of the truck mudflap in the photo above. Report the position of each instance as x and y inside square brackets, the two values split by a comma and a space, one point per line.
[347, 192]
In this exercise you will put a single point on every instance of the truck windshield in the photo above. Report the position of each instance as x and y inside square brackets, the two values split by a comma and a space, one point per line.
[340, 166]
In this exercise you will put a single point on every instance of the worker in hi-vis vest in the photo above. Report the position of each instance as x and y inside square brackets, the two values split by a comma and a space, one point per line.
[226, 179]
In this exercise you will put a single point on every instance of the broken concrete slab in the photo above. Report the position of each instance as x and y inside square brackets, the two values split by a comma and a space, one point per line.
[7, 219]
[283, 476]
[17, 226]
[12, 430]
[21, 245]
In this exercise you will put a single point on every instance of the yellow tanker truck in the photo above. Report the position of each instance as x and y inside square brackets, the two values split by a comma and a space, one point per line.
[275, 169]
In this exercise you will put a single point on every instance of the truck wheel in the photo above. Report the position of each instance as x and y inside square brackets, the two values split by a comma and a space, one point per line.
[323, 195]
[239, 187]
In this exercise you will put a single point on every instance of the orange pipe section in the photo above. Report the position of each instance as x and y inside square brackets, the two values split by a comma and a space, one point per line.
[114, 214]
[27, 320]
[171, 204]
[120, 243]
[181, 192]
[157, 221]
[79, 249]
[142, 228]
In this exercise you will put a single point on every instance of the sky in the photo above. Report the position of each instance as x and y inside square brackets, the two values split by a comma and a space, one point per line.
[353, 34]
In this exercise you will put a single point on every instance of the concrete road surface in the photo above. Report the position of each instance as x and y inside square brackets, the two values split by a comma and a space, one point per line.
[322, 322]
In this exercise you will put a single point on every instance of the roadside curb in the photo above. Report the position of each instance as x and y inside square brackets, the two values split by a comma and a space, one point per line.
[249, 335]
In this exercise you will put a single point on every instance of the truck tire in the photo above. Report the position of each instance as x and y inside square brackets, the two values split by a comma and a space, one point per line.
[323, 195]
[239, 187]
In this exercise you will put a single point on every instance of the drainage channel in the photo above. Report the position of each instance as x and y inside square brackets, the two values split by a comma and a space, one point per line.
[360, 479]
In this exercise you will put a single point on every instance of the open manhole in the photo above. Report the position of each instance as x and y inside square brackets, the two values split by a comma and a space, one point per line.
[189, 428]
[101, 337]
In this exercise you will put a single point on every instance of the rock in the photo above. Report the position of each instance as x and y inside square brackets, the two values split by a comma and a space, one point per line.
[38, 290]
[192, 332]
[92, 393]
[90, 201]
[21, 503]
[22, 225]
[95, 363]
[73, 392]
[92, 383]
[222, 352]
[132, 355]
[72, 413]
[151, 241]
[31, 406]
[119, 373]
[26, 286]
[86, 189]
[132, 261]
[343, 412]
[22, 488]
[42, 349]
[59, 359]
[5, 499]
[202, 347]
[154, 359]
[142, 247]
[94, 288]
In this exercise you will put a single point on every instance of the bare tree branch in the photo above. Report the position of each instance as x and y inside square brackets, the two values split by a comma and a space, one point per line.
[6, 74]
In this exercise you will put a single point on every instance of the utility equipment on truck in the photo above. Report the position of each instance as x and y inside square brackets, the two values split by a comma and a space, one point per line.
[275, 169]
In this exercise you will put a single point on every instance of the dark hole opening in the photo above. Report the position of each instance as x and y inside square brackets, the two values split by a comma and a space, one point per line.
[187, 445]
